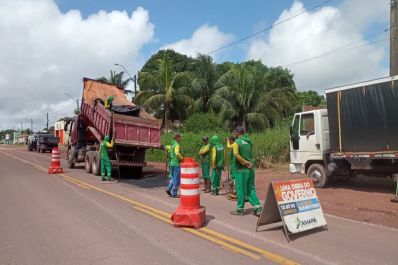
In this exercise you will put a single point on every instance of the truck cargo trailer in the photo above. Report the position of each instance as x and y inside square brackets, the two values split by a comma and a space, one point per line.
[131, 128]
[357, 134]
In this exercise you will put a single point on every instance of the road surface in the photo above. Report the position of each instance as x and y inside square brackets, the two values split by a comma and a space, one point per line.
[74, 218]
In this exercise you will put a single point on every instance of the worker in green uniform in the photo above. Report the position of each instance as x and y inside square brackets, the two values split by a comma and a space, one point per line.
[230, 145]
[168, 150]
[108, 103]
[204, 154]
[244, 174]
[217, 163]
[106, 168]
[175, 159]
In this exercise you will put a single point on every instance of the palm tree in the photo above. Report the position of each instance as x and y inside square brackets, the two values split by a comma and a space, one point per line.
[203, 84]
[241, 97]
[167, 96]
[117, 80]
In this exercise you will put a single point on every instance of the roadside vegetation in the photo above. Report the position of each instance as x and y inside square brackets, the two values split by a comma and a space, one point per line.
[198, 97]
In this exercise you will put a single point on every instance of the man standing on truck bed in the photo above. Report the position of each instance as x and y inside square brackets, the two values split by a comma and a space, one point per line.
[175, 159]
[244, 174]
[106, 168]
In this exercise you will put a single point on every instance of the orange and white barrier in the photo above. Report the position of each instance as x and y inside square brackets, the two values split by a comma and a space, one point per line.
[189, 213]
[55, 166]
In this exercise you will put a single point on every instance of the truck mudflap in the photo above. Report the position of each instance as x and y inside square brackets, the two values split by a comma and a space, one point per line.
[127, 164]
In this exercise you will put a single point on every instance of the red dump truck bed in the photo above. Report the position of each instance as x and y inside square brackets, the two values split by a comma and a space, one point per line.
[142, 130]
[131, 128]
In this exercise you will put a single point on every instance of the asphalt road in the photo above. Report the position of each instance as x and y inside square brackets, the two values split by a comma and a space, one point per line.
[74, 218]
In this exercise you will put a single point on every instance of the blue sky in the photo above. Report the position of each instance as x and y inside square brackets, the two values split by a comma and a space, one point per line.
[177, 19]
[55, 43]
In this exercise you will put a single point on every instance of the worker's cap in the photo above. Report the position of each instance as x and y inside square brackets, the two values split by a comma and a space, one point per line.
[239, 129]
[205, 138]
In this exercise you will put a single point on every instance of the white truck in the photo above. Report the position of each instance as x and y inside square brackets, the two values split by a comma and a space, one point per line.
[356, 134]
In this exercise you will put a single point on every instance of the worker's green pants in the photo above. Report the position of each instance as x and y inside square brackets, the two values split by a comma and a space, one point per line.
[245, 188]
[206, 170]
[215, 180]
[106, 168]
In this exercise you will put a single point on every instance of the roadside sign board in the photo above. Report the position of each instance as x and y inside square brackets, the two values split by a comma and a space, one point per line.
[295, 203]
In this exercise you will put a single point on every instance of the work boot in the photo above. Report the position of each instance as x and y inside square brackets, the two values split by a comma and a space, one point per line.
[238, 213]
[257, 212]
[208, 187]
[103, 178]
[168, 192]
[232, 197]
[205, 185]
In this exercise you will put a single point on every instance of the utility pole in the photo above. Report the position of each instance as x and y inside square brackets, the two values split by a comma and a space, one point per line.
[132, 78]
[31, 125]
[47, 121]
[394, 38]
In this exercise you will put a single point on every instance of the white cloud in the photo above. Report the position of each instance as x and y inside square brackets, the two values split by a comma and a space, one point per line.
[318, 32]
[205, 39]
[44, 53]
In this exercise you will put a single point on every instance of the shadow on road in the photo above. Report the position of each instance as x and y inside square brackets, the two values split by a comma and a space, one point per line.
[366, 184]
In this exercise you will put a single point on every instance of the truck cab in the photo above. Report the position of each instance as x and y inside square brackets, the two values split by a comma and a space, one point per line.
[309, 145]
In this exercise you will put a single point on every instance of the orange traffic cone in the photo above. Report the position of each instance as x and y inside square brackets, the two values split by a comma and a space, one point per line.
[55, 166]
[189, 213]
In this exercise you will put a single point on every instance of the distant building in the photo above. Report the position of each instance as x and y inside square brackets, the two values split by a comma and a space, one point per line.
[15, 137]
[59, 132]
[23, 139]
[8, 139]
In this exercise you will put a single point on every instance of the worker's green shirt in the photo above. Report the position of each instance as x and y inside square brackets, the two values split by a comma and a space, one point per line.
[175, 155]
[218, 156]
[104, 149]
[245, 148]
[205, 154]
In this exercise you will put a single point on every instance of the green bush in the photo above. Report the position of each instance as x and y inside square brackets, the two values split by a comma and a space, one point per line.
[270, 146]
[202, 122]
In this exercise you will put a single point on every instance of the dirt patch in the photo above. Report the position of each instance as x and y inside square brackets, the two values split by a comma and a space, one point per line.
[362, 198]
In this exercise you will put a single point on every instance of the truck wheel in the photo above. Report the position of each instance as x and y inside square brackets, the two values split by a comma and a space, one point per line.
[317, 173]
[96, 163]
[88, 160]
[70, 162]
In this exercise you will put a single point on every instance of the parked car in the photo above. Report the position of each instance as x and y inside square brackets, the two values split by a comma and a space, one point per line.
[42, 142]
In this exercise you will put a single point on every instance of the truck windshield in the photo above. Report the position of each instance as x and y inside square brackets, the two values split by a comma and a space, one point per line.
[307, 124]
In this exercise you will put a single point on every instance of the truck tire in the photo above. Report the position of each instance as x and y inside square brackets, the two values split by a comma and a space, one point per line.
[95, 163]
[70, 160]
[88, 161]
[317, 173]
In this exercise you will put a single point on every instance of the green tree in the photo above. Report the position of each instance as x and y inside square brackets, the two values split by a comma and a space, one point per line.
[167, 92]
[310, 98]
[203, 84]
[117, 80]
[178, 62]
[243, 98]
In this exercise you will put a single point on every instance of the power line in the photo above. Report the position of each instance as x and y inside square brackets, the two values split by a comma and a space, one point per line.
[342, 48]
[270, 27]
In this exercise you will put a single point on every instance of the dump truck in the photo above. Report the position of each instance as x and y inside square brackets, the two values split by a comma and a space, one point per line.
[356, 134]
[131, 128]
